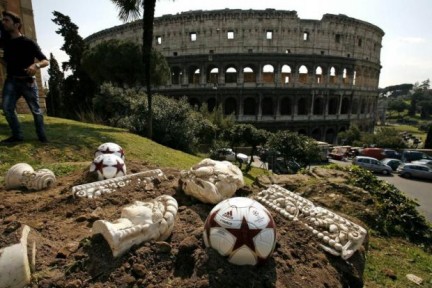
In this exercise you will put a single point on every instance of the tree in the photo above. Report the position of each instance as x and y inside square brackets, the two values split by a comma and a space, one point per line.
[132, 9]
[397, 105]
[55, 93]
[115, 61]
[78, 88]
[349, 136]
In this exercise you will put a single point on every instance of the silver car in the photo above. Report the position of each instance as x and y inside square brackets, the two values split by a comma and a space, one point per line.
[372, 164]
[415, 170]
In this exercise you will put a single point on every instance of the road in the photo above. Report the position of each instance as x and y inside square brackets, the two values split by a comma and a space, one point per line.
[418, 190]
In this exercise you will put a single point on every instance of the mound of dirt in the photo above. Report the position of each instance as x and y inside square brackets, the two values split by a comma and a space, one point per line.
[69, 256]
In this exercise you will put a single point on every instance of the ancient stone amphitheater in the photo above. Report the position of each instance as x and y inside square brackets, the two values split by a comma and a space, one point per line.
[269, 67]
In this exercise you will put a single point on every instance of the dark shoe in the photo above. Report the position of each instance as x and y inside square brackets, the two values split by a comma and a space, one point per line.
[43, 140]
[12, 139]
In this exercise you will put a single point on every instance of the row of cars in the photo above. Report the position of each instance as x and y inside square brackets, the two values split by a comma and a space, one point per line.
[415, 167]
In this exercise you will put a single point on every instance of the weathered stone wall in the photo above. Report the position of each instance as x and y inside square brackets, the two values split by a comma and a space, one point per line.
[269, 67]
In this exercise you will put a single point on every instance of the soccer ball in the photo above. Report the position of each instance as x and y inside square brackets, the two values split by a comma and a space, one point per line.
[241, 229]
[110, 148]
[108, 166]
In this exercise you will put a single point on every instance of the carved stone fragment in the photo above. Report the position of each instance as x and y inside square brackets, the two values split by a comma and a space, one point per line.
[337, 235]
[23, 175]
[212, 181]
[139, 222]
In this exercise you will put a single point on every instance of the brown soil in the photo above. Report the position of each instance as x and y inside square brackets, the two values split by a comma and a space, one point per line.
[69, 256]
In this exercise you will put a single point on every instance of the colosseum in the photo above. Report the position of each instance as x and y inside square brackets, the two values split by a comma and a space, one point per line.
[269, 67]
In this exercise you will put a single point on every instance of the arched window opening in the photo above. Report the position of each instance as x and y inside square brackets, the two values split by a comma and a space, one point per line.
[231, 75]
[286, 74]
[249, 106]
[333, 106]
[330, 136]
[194, 103]
[285, 106]
[249, 75]
[176, 75]
[318, 75]
[354, 78]
[211, 104]
[332, 75]
[230, 106]
[302, 132]
[316, 134]
[354, 108]
[303, 72]
[318, 108]
[302, 108]
[267, 106]
[268, 74]
[194, 75]
[345, 106]
[345, 77]
[213, 75]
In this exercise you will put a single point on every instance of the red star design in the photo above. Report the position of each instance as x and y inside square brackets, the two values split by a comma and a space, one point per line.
[120, 167]
[211, 223]
[244, 235]
[99, 166]
[107, 151]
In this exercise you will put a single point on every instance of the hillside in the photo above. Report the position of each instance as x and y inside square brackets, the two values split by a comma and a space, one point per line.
[69, 256]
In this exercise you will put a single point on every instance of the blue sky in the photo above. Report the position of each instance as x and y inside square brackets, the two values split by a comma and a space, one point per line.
[406, 55]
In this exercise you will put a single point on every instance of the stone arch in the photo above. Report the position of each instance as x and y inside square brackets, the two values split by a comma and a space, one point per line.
[194, 75]
[267, 106]
[332, 75]
[302, 106]
[318, 107]
[345, 105]
[194, 102]
[249, 106]
[212, 74]
[330, 136]
[303, 74]
[268, 74]
[302, 131]
[333, 106]
[231, 74]
[316, 134]
[249, 74]
[211, 104]
[354, 107]
[286, 74]
[176, 75]
[319, 75]
[230, 106]
[285, 106]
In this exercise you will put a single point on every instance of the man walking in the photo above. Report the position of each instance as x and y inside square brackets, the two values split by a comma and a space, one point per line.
[20, 53]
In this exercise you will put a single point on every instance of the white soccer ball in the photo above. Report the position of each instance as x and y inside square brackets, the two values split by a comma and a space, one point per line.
[108, 166]
[110, 148]
[241, 229]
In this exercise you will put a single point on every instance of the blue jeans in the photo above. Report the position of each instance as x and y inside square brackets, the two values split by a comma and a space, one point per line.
[13, 89]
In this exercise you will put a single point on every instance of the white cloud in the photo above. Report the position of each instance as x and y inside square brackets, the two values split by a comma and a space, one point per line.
[413, 40]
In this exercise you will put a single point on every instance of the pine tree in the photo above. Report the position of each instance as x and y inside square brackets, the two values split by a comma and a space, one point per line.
[55, 93]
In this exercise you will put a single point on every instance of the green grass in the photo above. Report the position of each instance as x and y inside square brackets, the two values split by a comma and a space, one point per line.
[72, 146]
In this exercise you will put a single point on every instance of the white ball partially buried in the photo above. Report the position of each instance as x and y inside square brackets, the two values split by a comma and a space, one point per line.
[108, 166]
[242, 230]
[110, 148]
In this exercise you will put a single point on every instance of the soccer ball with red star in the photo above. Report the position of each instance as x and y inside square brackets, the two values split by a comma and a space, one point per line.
[108, 166]
[110, 148]
[241, 229]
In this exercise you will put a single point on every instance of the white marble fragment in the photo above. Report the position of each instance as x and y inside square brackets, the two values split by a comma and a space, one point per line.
[139, 222]
[96, 189]
[337, 235]
[23, 175]
[15, 269]
[212, 181]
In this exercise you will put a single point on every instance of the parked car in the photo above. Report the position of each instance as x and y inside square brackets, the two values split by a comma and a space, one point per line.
[377, 153]
[427, 162]
[412, 155]
[390, 153]
[410, 170]
[393, 163]
[372, 164]
[229, 155]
